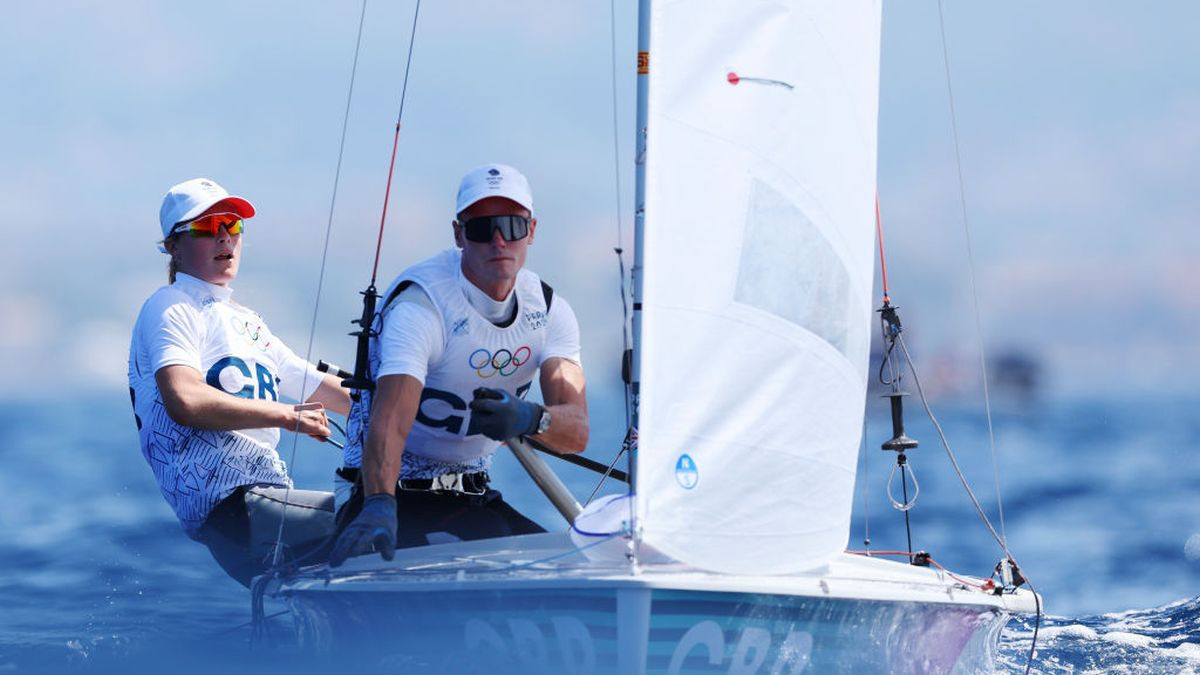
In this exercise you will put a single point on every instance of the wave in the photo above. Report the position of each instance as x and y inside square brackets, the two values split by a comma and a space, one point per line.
[1163, 639]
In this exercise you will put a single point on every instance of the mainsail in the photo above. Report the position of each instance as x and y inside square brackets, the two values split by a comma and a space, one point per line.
[756, 291]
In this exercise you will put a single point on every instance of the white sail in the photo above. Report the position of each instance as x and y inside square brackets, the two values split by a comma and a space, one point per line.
[757, 307]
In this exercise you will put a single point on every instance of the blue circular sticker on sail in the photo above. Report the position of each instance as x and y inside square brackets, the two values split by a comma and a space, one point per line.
[685, 472]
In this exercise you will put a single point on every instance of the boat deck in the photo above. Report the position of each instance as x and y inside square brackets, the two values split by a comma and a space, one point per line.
[551, 560]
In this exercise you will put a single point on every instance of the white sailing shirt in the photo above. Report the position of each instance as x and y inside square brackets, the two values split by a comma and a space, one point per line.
[443, 331]
[197, 324]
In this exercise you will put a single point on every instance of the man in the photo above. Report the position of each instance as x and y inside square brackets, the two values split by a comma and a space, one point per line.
[461, 336]
[206, 377]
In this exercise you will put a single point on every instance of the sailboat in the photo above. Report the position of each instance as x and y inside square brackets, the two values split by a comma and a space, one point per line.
[752, 283]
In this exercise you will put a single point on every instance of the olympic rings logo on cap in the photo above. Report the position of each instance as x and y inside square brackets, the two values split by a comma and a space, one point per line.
[503, 362]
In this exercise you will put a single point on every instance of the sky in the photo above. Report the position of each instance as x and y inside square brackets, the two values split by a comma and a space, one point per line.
[1078, 124]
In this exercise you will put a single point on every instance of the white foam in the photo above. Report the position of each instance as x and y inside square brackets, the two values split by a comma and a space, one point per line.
[1073, 631]
[1191, 549]
[1188, 651]
[1128, 639]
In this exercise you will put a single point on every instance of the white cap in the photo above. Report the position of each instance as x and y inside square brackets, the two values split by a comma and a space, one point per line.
[193, 197]
[493, 180]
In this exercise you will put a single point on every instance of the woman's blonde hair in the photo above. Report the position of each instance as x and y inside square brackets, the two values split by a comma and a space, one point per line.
[173, 264]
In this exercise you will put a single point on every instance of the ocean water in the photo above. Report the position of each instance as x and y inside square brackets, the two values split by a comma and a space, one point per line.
[1099, 509]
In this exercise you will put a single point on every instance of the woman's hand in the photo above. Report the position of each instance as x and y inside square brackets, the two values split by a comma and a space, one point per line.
[310, 419]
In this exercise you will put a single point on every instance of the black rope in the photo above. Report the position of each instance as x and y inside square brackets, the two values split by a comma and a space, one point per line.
[904, 491]
[246, 624]
[583, 462]
[950, 453]
[885, 363]
[1037, 624]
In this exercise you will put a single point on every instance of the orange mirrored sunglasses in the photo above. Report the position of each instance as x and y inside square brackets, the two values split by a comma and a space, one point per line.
[210, 225]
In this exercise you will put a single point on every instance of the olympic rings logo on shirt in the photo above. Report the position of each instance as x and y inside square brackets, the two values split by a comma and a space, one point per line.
[245, 329]
[503, 362]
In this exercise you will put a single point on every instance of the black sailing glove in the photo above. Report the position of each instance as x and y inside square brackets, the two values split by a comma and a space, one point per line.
[374, 528]
[500, 416]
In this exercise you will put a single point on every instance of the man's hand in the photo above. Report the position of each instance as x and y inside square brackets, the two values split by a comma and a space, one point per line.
[500, 416]
[373, 529]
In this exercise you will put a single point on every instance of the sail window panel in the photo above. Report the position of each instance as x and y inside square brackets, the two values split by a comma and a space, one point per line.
[789, 269]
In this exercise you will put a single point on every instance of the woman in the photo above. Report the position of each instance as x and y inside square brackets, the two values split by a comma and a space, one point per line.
[206, 377]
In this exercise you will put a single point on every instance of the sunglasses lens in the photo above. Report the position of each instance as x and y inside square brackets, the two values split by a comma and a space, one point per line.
[202, 229]
[211, 225]
[512, 228]
[478, 230]
[518, 228]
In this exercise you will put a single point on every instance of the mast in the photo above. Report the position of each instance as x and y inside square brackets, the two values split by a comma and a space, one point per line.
[639, 221]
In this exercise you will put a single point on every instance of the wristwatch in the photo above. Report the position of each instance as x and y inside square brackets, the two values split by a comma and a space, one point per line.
[543, 424]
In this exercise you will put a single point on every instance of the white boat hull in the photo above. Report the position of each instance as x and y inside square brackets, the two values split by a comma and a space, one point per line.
[534, 604]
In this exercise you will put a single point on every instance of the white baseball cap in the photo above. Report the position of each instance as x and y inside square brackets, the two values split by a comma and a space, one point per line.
[493, 180]
[193, 197]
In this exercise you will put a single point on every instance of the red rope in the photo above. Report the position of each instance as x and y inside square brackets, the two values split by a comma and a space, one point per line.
[882, 258]
[386, 194]
[986, 586]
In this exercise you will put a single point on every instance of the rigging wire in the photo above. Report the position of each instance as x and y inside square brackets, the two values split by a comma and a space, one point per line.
[889, 362]
[312, 331]
[866, 482]
[619, 251]
[882, 256]
[259, 590]
[619, 248]
[963, 479]
[949, 452]
[943, 568]
[412, 38]
[608, 472]
[962, 198]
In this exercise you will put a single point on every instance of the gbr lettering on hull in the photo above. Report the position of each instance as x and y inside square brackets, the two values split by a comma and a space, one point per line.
[570, 648]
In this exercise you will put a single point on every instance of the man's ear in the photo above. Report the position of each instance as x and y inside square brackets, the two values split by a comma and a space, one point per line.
[532, 229]
[458, 233]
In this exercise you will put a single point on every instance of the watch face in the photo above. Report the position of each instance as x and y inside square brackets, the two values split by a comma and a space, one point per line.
[544, 422]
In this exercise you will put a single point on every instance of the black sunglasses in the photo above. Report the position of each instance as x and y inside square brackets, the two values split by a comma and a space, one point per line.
[512, 228]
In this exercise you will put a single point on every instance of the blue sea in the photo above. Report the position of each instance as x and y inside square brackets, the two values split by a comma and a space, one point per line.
[1100, 510]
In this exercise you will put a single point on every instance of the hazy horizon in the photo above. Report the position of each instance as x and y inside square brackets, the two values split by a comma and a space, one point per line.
[1079, 127]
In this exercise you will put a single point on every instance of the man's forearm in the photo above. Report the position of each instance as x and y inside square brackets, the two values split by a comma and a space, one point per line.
[381, 462]
[393, 410]
[568, 432]
[564, 391]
